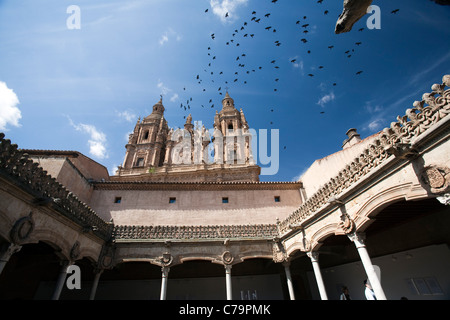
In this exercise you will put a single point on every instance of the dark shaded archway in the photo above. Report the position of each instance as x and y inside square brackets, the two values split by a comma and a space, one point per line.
[26, 269]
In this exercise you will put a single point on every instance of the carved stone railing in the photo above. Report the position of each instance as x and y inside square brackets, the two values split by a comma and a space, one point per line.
[240, 232]
[394, 140]
[16, 166]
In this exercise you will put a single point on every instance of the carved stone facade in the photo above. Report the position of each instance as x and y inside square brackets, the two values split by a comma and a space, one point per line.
[156, 152]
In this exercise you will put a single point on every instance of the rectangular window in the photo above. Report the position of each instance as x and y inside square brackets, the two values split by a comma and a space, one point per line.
[118, 200]
[277, 199]
[140, 162]
[172, 200]
[224, 200]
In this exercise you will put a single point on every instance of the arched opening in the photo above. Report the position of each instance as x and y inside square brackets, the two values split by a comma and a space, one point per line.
[196, 280]
[26, 270]
[259, 279]
[300, 266]
[130, 281]
[407, 240]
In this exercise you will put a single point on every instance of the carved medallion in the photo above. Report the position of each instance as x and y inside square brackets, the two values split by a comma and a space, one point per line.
[347, 224]
[106, 257]
[227, 257]
[437, 178]
[22, 229]
[166, 259]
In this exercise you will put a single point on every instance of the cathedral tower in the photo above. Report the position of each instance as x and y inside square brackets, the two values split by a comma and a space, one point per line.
[146, 145]
[157, 153]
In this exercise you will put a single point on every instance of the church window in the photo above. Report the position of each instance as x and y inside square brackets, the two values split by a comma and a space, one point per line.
[146, 135]
[230, 126]
[224, 200]
[172, 200]
[140, 162]
[118, 200]
[277, 199]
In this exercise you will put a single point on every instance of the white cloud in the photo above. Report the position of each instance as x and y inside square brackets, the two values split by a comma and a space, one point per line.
[127, 116]
[169, 34]
[96, 142]
[221, 8]
[376, 125]
[164, 90]
[297, 64]
[9, 112]
[373, 109]
[326, 99]
[174, 97]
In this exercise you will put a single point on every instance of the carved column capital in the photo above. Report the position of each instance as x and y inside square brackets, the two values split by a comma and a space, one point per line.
[444, 199]
[313, 255]
[358, 238]
[8, 250]
[165, 272]
[228, 268]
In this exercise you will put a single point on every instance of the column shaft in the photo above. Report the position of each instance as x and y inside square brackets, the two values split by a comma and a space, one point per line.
[61, 280]
[289, 281]
[358, 239]
[314, 256]
[228, 282]
[165, 275]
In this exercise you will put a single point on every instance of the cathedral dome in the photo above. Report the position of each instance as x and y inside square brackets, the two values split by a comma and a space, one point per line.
[158, 112]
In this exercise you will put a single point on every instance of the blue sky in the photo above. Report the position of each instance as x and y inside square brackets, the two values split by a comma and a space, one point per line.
[84, 89]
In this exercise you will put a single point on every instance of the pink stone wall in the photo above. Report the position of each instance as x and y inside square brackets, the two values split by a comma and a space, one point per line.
[194, 208]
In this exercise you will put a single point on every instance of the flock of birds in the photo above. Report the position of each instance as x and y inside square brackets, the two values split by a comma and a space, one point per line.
[243, 68]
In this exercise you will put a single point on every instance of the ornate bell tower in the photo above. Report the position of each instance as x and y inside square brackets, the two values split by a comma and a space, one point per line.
[232, 135]
[159, 154]
[146, 145]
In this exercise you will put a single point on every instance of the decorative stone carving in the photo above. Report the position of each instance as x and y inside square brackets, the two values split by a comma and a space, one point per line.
[437, 178]
[227, 258]
[279, 253]
[196, 232]
[75, 251]
[347, 224]
[306, 245]
[22, 229]
[166, 259]
[106, 258]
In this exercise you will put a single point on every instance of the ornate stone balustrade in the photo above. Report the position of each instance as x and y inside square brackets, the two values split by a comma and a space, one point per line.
[393, 140]
[16, 165]
[195, 232]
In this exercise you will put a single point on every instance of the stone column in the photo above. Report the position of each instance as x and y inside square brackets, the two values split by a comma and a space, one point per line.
[6, 253]
[165, 275]
[314, 256]
[358, 240]
[228, 282]
[289, 280]
[61, 279]
[98, 273]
